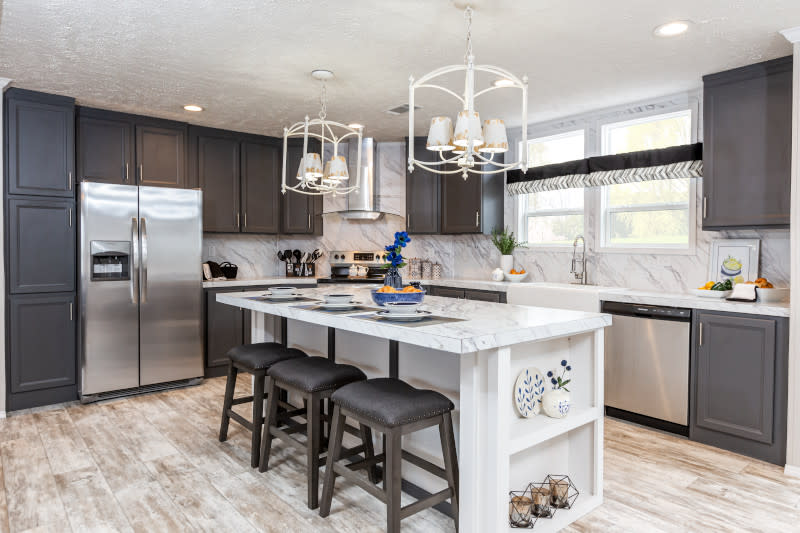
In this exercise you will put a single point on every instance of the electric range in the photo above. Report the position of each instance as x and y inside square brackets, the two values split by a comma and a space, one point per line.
[371, 267]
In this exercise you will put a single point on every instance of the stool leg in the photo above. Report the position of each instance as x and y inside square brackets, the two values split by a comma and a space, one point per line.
[271, 420]
[312, 451]
[334, 449]
[450, 460]
[227, 403]
[393, 480]
[258, 417]
[369, 452]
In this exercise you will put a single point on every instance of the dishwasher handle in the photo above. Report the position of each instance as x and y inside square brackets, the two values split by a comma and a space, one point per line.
[656, 312]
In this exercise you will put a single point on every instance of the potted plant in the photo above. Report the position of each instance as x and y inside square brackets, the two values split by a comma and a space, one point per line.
[505, 241]
[395, 260]
[556, 401]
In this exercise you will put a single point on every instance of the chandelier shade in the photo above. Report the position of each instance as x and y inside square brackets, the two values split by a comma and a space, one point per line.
[440, 135]
[468, 126]
[494, 135]
[338, 168]
[310, 168]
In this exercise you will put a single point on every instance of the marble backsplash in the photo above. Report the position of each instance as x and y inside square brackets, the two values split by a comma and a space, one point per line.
[474, 256]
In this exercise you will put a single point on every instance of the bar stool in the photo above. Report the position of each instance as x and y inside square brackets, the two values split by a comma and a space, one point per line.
[315, 379]
[394, 408]
[254, 359]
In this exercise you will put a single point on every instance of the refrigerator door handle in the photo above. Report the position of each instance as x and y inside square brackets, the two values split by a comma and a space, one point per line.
[135, 266]
[143, 282]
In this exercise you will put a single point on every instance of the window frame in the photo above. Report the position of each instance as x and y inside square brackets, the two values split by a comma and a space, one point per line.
[603, 238]
[523, 211]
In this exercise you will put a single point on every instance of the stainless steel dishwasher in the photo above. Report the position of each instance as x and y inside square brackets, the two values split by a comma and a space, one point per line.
[647, 365]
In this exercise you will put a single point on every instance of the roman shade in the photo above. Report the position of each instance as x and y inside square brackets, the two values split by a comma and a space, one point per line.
[685, 161]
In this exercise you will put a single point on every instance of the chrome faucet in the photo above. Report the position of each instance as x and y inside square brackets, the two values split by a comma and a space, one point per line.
[579, 261]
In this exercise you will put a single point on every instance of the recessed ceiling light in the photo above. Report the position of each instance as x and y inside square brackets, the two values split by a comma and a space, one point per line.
[671, 29]
[355, 125]
[503, 82]
[192, 107]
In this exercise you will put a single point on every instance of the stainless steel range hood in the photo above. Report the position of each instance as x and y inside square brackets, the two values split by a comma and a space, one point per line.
[363, 203]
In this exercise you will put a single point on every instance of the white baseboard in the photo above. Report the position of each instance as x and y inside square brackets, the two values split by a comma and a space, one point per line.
[792, 470]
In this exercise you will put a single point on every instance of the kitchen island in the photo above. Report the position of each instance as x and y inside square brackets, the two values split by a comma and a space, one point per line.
[473, 357]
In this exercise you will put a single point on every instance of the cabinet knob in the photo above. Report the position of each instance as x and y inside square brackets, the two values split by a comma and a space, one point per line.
[477, 219]
[705, 207]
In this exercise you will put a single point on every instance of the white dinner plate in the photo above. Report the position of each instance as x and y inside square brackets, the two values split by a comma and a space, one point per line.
[286, 297]
[404, 317]
[338, 306]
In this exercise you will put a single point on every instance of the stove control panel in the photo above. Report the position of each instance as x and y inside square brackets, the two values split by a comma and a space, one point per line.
[356, 258]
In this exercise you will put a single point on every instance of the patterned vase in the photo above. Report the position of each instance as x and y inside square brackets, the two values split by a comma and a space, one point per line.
[393, 278]
[555, 403]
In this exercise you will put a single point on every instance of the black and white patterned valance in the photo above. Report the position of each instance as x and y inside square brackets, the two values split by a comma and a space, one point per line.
[675, 162]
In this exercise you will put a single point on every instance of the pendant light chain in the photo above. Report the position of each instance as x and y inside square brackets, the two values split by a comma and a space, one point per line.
[323, 101]
[468, 17]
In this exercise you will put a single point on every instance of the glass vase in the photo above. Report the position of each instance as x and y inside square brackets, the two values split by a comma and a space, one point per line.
[393, 278]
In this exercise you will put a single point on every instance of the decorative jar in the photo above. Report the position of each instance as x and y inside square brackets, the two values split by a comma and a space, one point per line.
[393, 278]
[556, 403]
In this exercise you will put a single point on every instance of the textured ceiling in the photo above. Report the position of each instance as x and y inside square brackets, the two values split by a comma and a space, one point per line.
[248, 61]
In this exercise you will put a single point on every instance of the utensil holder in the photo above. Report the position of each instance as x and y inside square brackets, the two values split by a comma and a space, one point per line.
[302, 270]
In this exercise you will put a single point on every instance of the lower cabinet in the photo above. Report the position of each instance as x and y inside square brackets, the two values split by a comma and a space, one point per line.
[468, 294]
[738, 389]
[42, 359]
[224, 330]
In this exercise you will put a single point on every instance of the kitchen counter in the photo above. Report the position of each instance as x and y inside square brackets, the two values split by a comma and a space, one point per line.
[244, 282]
[694, 302]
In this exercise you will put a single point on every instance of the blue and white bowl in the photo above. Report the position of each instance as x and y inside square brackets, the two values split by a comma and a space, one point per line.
[381, 298]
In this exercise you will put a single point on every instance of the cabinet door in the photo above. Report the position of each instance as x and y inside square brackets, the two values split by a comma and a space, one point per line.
[747, 146]
[447, 292]
[161, 155]
[224, 328]
[461, 203]
[41, 245]
[218, 172]
[422, 194]
[735, 375]
[261, 181]
[300, 213]
[484, 296]
[105, 148]
[41, 342]
[41, 144]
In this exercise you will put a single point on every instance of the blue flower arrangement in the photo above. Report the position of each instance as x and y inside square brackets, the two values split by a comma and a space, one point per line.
[395, 255]
[559, 382]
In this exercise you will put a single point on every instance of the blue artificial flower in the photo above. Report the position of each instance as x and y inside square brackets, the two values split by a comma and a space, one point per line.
[390, 248]
[569, 367]
[550, 374]
[554, 381]
[564, 362]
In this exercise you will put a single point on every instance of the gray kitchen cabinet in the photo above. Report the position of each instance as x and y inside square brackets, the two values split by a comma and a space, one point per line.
[423, 206]
[747, 123]
[217, 160]
[300, 213]
[41, 244]
[224, 330]
[105, 147]
[40, 133]
[446, 292]
[461, 203]
[161, 154]
[485, 296]
[261, 183]
[738, 389]
[41, 350]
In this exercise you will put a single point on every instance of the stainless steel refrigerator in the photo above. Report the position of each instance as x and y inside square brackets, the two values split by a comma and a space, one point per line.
[140, 289]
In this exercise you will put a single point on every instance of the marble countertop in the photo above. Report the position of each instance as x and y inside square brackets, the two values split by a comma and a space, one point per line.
[694, 302]
[244, 282]
[485, 325]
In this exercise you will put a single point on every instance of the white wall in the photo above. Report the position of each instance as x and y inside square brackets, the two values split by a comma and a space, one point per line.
[3, 84]
[793, 442]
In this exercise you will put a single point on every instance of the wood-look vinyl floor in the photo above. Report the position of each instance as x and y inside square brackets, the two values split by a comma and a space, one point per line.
[153, 463]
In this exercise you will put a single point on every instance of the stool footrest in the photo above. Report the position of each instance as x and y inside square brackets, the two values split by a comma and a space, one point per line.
[359, 480]
[240, 419]
[366, 463]
[430, 501]
[424, 464]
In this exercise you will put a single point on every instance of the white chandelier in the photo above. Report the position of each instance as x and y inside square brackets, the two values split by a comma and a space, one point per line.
[473, 147]
[312, 177]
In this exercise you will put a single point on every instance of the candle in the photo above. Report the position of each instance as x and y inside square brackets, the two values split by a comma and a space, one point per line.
[559, 490]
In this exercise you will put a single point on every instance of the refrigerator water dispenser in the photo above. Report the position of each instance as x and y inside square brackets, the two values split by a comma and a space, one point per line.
[110, 260]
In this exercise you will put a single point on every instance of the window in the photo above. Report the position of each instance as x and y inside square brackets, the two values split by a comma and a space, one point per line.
[649, 214]
[553, 218]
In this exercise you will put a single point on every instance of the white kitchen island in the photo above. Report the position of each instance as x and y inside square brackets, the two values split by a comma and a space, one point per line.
[475, 362]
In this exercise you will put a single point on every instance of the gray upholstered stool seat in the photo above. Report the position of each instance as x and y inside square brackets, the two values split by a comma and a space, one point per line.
[391, 402]
[254, 359]
[262, 355]
[315, 374]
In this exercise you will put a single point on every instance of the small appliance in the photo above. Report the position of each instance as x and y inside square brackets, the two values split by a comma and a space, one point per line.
[369, 267]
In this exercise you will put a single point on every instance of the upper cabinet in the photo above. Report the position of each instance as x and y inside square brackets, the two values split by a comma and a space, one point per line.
[448, 203]
[747, 122]
[41, 143]
[300, 213]
[131, 150]
[240, 178]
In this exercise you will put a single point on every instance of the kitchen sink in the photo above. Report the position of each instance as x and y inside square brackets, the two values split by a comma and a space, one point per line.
[557, 295]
